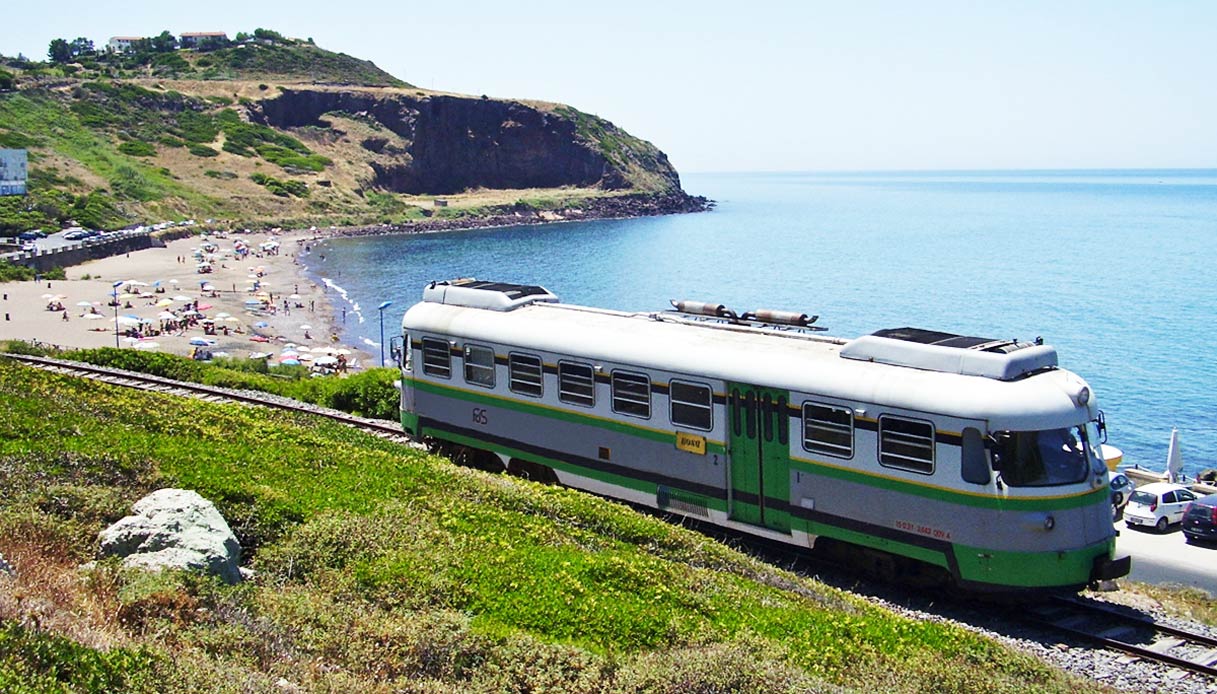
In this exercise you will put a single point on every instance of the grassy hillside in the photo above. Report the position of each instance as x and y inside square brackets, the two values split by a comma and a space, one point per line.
[383, 569]
[120, 139]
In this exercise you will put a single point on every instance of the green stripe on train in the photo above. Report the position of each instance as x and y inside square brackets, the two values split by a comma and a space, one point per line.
[599, 475]
[1030, 569]
[1096, 496]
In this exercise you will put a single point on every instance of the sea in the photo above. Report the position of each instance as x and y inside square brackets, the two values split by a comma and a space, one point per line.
[1115, 268]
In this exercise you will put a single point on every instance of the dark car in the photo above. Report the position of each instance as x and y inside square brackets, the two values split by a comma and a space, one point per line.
[31, 235]
[1200, 520]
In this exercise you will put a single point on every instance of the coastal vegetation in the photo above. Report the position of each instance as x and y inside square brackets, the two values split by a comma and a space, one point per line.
[382, 568]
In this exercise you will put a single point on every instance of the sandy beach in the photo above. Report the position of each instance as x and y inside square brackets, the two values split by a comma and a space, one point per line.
[256, 304]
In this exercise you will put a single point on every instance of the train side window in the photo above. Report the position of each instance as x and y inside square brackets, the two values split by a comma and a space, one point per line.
[524, 374]
[437, 360]
[632, 394]
[691, 405]
[576, 384]
[972, 463]
[906, 444]
[828, 429]
[479, 365]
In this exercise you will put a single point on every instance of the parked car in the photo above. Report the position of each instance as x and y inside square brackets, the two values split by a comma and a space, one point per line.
[1121, 489]
[1158, 504]
[32, 235]
[1200, 520]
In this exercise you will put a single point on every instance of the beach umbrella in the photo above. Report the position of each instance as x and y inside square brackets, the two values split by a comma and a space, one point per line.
[165, 315]
[48, 297]
[146, 345]
[136, 283]
[128, 320]
[323, 361]
[94, 316]
[173, 282]
[157, 283]
[164, 302]
[261, 324]
[289, 362]
[290, 346]
[294, 296]
[344, 352]
[126, 295]
[230, 319]
[84, 303]
[208, 288]
[306, 326]
[181, 297]
[201, 341]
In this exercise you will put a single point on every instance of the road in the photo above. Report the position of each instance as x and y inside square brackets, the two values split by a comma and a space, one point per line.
[1167, 558]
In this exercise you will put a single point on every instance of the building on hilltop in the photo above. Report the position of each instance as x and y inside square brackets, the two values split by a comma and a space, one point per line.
[197, 39]
[122, 44]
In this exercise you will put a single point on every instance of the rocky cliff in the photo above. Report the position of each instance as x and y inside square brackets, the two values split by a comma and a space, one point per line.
[447, 144]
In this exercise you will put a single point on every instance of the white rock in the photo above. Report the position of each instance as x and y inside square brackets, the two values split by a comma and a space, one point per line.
[175, 528]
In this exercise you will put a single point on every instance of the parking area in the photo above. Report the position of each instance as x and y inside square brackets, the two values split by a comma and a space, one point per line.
[1168, 558]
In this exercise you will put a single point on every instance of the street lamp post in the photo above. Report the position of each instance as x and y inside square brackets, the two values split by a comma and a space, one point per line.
[116, 286]
[383, 305]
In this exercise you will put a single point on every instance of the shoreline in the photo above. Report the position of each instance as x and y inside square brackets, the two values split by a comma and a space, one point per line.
[257, 303]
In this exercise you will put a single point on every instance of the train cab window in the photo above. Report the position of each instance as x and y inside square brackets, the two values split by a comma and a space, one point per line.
[973, 465]
[906, 444]
[632, 394]
[1045, 458]
[576, 384]
[690, 405]
[437, 360]
[524, 371]
[828, 429]
[479, 365]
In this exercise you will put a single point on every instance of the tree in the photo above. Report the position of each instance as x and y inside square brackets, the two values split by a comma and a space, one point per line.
[164, 43]
[60, 51]
[7, 81]
[81, 46]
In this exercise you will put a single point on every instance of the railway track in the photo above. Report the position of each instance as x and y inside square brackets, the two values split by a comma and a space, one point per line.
[132, 379]
[1123, 629]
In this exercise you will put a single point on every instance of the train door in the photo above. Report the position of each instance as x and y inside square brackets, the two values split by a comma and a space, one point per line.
[760, 456]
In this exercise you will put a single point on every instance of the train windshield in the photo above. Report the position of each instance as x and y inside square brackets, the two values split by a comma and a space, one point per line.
[1045, 458]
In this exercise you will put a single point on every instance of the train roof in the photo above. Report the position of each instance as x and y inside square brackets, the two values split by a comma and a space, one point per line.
[1012, 385]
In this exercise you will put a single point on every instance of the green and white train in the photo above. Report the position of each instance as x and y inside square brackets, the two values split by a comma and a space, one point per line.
[975, 459]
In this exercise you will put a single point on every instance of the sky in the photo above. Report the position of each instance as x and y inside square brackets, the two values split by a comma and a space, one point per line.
[773, 86]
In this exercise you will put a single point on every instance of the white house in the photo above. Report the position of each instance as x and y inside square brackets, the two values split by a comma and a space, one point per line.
[121, 44]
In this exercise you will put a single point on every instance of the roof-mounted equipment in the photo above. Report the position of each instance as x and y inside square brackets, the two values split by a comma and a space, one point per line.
[495, 296]
[1003, 360]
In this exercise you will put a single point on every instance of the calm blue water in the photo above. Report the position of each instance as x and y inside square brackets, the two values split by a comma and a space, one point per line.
[1114, 268]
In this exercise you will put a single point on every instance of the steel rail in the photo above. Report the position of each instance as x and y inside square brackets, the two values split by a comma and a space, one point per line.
[1115, 617]
[160, 384]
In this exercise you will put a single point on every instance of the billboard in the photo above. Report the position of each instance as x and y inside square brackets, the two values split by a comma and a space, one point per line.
[13, 163]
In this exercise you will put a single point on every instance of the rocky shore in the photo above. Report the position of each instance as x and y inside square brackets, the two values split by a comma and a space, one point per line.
[615, 207]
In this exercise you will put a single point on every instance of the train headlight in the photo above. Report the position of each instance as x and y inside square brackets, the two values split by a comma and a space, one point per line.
[1049, 522]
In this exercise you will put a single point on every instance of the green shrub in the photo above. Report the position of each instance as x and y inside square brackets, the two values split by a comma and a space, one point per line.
[203, 151]
[137, 148]
[38, 661]
[55, 273]
[11, 272]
